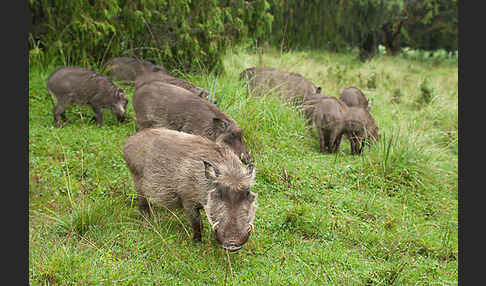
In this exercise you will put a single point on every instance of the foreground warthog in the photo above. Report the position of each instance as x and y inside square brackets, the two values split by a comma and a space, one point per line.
[293, 87]
[352, 96]
[127, 68]
[179, 170]
[159, 104]
[82, 86]
[333, 119]
[162, 77]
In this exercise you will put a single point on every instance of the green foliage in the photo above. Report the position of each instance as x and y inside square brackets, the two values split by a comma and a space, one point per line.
[330, 24]
[346, 24]
[181, 35]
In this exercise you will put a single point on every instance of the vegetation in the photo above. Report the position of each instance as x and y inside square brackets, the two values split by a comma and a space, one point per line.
[387, 217]
[365, 24]
[192, 35]
[185, 35]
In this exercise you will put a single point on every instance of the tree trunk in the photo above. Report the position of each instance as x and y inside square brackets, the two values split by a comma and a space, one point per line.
[367, 48]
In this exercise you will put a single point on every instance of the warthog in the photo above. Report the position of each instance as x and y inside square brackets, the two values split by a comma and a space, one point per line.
[82, 86]
[352, 96]
[327, 114]
[293, 87]
[360, 127]
[333, 119]
[162, 77]
[127, 68]
[159, 104]
[180, 170]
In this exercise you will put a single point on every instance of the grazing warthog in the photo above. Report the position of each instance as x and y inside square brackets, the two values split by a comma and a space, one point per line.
[159, 104]
[360, 127]
[162, 77]
[180, 170]
[127, 68]
[333, 119]
[293, 87]
[352, 96]
[82, 86]
[327, 115]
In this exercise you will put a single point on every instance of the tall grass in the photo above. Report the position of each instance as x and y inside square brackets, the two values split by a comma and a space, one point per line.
[386, 217]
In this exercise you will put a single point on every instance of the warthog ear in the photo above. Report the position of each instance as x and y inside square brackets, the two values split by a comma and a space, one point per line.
[318, 90]
[120, 93]
[220, 124]
[212, 173]
[201, 94]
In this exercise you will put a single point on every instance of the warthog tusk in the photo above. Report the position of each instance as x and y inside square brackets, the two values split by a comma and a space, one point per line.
[215, 225]
[250, 229]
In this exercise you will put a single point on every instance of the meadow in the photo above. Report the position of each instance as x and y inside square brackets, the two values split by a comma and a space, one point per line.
[386, 217]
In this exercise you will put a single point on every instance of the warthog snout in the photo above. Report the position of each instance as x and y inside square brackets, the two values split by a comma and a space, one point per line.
[232, 246]
[233, 241]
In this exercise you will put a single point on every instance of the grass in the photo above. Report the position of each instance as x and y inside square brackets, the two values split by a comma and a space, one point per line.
[387, 217]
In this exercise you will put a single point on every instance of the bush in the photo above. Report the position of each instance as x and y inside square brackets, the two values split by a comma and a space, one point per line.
[185, 35]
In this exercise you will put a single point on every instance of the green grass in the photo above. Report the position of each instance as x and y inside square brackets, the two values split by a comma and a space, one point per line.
[386, 217]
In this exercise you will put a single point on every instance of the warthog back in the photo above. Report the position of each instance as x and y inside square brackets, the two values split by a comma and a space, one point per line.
[166, 78]
[352, 96]
[128, 68]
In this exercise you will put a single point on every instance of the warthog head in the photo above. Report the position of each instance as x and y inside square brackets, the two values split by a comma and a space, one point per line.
[231, 204]
[120, 104]
[231, 135]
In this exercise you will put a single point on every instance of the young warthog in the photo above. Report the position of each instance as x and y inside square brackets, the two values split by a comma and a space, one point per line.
[293, 87]
[162, 77]
[333, 119]
[352, 96]
[127, 68]
[159, 104]
[327, 114]
[82, 86]
[180, 170]
[360, 126]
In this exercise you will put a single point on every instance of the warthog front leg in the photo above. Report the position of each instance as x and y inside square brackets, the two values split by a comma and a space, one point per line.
[338, 142]
[322, 142]
[143, 206]
[356, 147]
[98, 115]
[59, 110]
[333, 141]
[192, 212]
